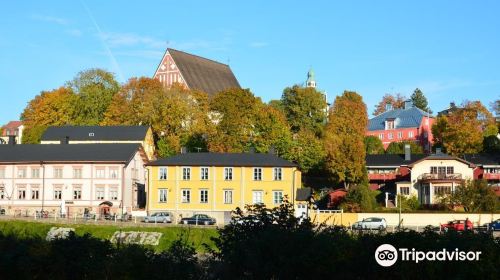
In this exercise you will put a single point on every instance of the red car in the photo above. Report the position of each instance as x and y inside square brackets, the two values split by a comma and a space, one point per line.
[458, 225]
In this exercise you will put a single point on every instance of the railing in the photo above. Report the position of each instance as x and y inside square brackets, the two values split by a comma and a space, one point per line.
[382, 176]
[440, 176]
[491, 176]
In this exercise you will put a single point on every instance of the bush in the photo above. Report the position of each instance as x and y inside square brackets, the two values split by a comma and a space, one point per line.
[360, 198]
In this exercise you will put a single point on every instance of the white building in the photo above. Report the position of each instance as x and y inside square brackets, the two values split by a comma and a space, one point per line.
[69, 178]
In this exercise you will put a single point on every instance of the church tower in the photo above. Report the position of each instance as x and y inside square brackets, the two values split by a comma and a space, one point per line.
[311, 81]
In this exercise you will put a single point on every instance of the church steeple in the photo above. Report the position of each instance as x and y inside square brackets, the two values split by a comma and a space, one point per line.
[311, 81]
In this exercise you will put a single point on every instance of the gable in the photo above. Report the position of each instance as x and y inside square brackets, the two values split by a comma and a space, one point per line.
[168, 73]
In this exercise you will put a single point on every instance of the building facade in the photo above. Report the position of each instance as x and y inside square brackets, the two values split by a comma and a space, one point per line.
[12, 128]
[67, 179]
[408, 124]
[215, 184]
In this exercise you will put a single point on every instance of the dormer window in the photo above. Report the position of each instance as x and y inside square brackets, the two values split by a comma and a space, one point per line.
[389, 124]
[91, 134]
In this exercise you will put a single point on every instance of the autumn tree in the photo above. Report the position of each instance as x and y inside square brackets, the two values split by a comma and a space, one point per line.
[50, 108]
[95, 89]
[305, 109]
[419, 100]
[463, 129]
[271, 130]
[373, 145]
[397, 101]
[398, 148]
[308, 151]
[344, 135]
[473, 196]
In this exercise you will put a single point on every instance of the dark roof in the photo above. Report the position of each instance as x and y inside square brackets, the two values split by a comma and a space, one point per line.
[224, 159]
[391, 159]
[204, 74]
[304, 194]
[404, 118]
[68, 153]
[483, 159]
[100, 133]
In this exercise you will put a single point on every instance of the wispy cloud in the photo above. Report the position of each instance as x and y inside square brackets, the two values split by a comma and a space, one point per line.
[51, 19]
[130, 39]
[152, 54]
[259, 44]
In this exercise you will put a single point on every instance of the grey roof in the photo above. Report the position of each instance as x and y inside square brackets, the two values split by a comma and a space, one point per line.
[25, 153]
[483, 159]
[391, 159]
[304, 194]
[100, 133]
[404, 118]
[204, 74]
[224, 159]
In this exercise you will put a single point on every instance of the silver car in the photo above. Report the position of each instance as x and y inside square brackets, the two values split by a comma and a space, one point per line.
[371, 223]
[159, 217]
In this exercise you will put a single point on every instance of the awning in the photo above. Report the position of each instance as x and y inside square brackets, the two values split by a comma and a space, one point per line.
[108, 203]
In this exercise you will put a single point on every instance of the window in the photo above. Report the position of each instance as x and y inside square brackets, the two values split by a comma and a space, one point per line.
[35, 172]
[99, 191]
[257, 174]
[389, 124]
[91, 134]
[113, 193]
[162, 195]
[381, 136]
[186, 173]
[228, 196]
[21, 192]
[58, 172]
[2, 173]
[77, 173]
[277, 174]
[389, 135]
[400, 135]
[100, 173]
[449, 170]
[186, 196]
[21, 173]
[204, 173]
[442, 190]
[113, 173]
[434, 170]
[278, 197]
[404, 190]
[257, 197]
[228, 173]
[2, 194]
[35, 193]
[203, 196]
[162, 173]
[77, 192]
[57, 194]
[410, 134]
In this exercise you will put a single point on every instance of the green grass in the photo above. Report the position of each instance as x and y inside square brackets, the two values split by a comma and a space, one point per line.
[195, 236]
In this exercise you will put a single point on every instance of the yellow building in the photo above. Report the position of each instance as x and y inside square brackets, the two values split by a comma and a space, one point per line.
[217, 183]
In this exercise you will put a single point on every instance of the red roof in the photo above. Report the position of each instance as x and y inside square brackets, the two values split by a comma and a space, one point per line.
[12, 125]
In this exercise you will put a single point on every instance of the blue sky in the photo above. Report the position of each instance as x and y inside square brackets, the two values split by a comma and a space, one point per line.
[449, 49]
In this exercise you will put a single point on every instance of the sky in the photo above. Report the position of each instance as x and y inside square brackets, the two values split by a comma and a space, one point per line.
[448, 49]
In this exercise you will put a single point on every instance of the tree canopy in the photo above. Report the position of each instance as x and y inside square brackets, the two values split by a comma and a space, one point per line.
[419, 100]
[373, 145]
[399, 147]
[397, 101]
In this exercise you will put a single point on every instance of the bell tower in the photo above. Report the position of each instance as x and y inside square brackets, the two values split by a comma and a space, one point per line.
[311, 81]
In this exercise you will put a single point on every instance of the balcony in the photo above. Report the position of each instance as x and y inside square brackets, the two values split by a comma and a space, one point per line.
[491, 176]
[382, 176]
[432, 177]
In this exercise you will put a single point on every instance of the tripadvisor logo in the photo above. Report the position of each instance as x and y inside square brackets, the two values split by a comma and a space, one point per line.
[387, 255]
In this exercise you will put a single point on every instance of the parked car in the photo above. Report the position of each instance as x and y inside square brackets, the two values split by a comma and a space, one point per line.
[458, 225]
[371, 223]
[494, 226]
[158, 217]
[198, 219]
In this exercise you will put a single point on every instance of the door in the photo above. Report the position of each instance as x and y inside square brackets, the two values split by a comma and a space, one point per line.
[441, 172]
[301, 210]
[425, 192]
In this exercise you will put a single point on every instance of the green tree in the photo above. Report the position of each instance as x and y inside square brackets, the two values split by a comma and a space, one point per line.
[419, 100]
[399, 148]
[491, 144]
[308, 152]
[360, 198]
[344, 139]
[462, 130]
[397, 101]
[271, 130]
[474, 196]
[373, 145]
[95, 89]
[305, 109]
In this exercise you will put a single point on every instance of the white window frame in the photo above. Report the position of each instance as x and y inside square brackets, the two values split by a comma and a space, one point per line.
[77, 192]
[2, 173]
[35, 173]
[278, 197]
[228, 196]
[389, 136]
[410, 134]
[400, 134]
[98, 173]
[204, 196]
[278, 174]
[204, 171]
[21, 192]
[186, 196]
[35, 189]
[58, 172]
[186, 173]
[99, 193]
[162, 195]
[162, 173]
[257, 197]
[406, 190]
[57, 193]
[113, 193]
[114, 173]
[77, 172]
[21, 172]
[381, 136]
[228, 173]
[257, 173]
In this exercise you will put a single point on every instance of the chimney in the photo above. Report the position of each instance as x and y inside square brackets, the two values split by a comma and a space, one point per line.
[408, 104]
[183, 150]
[388, 106]
[12, 139]
[407, 152]
[65, 140]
